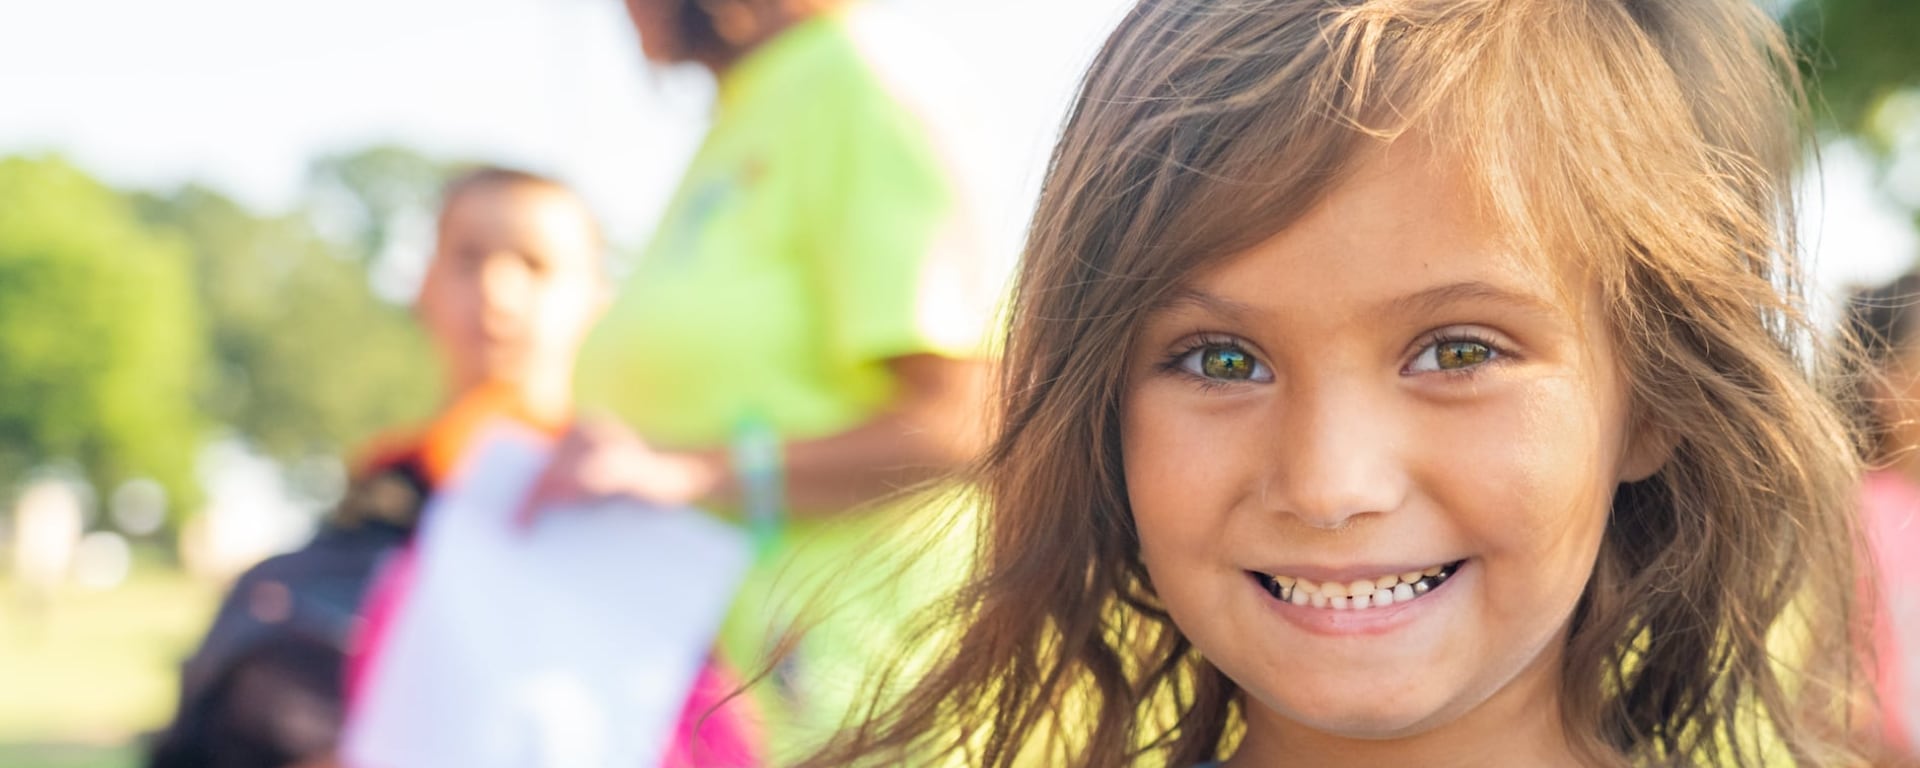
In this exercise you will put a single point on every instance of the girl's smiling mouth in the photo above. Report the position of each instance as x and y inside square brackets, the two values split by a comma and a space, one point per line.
[1363, 594]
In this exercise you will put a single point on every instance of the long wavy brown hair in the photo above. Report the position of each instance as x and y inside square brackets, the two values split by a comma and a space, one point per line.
[1652, 142]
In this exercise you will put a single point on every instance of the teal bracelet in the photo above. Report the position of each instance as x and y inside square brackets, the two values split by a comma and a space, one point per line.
[757, 462]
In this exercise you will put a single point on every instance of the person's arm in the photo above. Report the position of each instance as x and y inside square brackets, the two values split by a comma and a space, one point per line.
[933, 426]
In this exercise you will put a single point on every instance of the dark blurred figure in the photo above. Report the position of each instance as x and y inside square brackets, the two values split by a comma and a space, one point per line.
[1886, 323]
[266, 687]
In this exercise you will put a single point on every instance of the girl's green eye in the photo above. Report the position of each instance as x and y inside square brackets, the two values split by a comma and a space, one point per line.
[1224, 362]
[1456, 355]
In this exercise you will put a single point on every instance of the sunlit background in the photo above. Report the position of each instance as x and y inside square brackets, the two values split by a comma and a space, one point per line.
[214, 212]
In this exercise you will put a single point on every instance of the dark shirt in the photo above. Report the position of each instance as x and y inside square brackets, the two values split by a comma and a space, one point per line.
[266, 687]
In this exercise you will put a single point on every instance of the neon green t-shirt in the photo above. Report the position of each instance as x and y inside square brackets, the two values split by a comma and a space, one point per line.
[815, 236]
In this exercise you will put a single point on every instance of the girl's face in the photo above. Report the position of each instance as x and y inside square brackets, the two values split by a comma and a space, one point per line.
[1370, 462]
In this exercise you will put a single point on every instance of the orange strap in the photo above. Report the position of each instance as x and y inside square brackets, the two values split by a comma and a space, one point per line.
[447, 439]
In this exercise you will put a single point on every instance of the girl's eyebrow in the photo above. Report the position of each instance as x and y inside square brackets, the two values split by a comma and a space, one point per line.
[1193, 298]
[1424, 301]
[1436, 298]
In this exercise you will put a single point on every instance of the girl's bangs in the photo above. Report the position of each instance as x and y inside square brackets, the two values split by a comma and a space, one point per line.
[1252, 136]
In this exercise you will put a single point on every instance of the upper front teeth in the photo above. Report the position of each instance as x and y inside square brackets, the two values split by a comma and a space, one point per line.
[1365, 593]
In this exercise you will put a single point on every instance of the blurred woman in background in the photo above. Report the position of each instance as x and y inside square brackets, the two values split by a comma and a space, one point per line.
[798, 341]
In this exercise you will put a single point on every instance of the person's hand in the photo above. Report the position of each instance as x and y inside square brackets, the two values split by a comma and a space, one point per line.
[601, 459]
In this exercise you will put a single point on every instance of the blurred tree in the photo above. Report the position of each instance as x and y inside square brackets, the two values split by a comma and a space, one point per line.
[1861, 53]
[101, 350]
[306, 360]
[367, 192]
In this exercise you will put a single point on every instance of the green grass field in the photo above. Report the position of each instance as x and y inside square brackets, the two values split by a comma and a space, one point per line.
[81, 681]
[67, 756]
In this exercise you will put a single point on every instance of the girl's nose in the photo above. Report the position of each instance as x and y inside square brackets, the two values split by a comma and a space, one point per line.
[1336, 457]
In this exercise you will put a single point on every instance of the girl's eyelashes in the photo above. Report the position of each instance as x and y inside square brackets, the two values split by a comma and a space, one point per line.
[1455, 352]
[1224, 360]
[1216, 360]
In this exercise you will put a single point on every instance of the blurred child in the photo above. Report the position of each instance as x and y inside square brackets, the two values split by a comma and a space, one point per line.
[1408, 382]
[516, 281]
[1884, 322]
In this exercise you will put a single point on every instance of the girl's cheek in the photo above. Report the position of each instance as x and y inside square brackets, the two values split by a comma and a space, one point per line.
[1185, 463]
[1544, 457]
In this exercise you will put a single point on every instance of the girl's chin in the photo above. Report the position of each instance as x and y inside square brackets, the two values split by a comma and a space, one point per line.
[1362, 719]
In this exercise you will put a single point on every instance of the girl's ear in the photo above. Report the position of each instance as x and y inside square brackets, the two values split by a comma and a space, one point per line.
[1648, 450]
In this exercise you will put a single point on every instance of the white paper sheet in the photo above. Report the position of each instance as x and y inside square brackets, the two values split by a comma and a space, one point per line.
[573, 644]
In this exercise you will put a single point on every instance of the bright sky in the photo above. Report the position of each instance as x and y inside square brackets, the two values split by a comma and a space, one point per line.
[241, 93]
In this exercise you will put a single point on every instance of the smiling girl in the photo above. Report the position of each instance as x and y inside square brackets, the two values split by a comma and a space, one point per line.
[1408, 382]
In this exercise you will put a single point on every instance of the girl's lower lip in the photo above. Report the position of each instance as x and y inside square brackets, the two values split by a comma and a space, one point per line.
[1369, 621]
